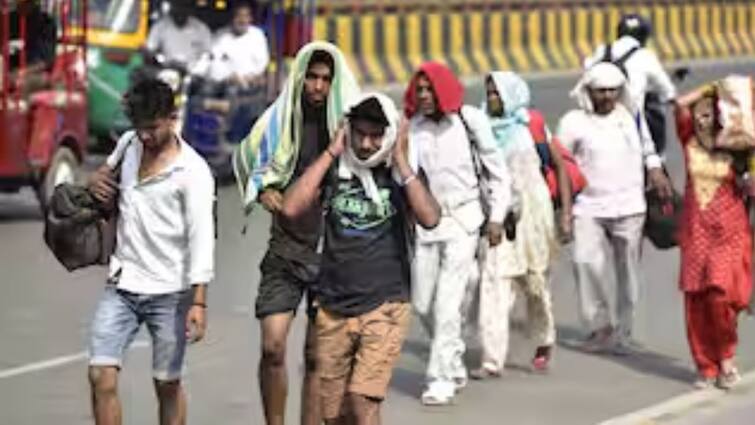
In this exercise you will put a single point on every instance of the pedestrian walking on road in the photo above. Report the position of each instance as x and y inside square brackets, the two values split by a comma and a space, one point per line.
[448, 137]
[615, 153]
[650, 87]
[363, 313]
[522, 262]
[715, 238]
[164, 255]
[289, 137]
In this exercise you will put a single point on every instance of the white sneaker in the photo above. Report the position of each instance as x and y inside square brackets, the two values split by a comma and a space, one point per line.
[439, 394]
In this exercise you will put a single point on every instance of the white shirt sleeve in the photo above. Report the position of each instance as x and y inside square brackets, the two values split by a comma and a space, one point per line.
[206, 37]
[154, 39]
[260, 51]
[120, 148]
[658, 80]
[492, 161]
[651, 158]
[200, 205]
[568, 131]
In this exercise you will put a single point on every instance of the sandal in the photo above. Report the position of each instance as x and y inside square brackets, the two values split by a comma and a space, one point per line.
[541, 361]
[704, 383]
[728, 380]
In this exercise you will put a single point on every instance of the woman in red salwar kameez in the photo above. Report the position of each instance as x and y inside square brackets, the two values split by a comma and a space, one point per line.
[716, 243]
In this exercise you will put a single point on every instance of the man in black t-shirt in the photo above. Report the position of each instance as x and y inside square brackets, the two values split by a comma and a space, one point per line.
[363, 286]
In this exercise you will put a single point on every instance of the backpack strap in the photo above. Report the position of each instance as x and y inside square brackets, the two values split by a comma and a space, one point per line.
[622, 60]
[473, 148]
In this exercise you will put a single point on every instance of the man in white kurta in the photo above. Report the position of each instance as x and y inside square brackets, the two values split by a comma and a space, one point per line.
[440, 134]
[615, 152]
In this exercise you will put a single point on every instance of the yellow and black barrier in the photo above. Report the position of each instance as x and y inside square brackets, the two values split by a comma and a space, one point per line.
[386, 43]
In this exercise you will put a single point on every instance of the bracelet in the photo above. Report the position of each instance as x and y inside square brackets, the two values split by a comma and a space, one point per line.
[203, 305]
[409, 179]
[332, 155]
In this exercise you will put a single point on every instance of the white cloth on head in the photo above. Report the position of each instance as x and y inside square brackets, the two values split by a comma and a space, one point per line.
[602, 75]
[646, 73]
[350, 165]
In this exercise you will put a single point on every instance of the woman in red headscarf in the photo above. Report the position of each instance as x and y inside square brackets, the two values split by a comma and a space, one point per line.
[715, 240]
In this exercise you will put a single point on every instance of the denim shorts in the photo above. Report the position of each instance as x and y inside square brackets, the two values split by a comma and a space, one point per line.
[119, 316]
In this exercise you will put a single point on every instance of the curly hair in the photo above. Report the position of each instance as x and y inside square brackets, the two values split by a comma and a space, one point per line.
[149, 99]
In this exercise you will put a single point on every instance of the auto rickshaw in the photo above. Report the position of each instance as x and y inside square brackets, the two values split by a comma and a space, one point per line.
[43, 99]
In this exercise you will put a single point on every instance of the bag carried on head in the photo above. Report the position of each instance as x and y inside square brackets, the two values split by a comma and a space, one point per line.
[736, 109]
[79, 230]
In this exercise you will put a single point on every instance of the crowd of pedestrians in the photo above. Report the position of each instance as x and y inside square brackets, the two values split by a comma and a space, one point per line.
[380, 214]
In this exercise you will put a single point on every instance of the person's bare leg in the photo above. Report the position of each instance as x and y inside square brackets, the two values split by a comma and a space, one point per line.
[106, 407]
[366, 410]
[171, 402]
[273, 378]
[310, 393]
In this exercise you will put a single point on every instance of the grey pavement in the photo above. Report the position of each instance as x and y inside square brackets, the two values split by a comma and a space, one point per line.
[45, 313]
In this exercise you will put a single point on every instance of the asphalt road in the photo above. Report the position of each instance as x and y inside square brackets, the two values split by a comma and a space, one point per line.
[45, 313]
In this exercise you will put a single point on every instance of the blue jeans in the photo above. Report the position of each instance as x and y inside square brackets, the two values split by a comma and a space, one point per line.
[117, 320]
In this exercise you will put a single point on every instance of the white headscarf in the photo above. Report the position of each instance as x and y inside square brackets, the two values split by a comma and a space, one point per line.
[603, 75]
[350, 165]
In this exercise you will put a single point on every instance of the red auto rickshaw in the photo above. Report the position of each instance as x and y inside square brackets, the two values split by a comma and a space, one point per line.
[43, 109]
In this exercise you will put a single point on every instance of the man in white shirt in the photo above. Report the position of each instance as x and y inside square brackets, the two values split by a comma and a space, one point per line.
[164, 255]
[235, 87]
[179, 37]
[649, 85]
[239, 53]
[445, 137]
[614, 154]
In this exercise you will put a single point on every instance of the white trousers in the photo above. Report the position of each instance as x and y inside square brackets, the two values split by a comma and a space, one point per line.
[497, 297]
[623, 237]
[441, 273]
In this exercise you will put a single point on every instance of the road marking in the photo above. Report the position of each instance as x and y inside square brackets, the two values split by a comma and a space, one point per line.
[54, 362]
[653, 415]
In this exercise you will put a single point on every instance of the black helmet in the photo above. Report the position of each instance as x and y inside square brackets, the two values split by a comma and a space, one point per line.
[635, 26]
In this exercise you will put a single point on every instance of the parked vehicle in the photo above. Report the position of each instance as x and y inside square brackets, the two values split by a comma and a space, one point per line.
[43, 99]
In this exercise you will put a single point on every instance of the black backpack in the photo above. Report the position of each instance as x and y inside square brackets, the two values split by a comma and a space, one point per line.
[654, 111]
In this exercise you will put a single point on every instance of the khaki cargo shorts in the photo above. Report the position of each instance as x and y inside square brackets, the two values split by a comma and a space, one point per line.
[357, 354]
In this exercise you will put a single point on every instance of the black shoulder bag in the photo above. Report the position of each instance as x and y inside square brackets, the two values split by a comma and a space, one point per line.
[79, 230]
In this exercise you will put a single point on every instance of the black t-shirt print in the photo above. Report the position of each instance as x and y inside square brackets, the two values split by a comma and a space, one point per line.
[364, 261]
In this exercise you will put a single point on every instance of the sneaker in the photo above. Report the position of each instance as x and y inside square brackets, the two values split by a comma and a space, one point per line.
[438, 394]
[704, 383]
[727, 381]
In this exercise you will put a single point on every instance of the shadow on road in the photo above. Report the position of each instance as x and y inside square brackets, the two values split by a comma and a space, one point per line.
[641, 359]
[407, 382]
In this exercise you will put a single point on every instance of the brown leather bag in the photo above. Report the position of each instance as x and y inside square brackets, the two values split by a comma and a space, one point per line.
[79, 230]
